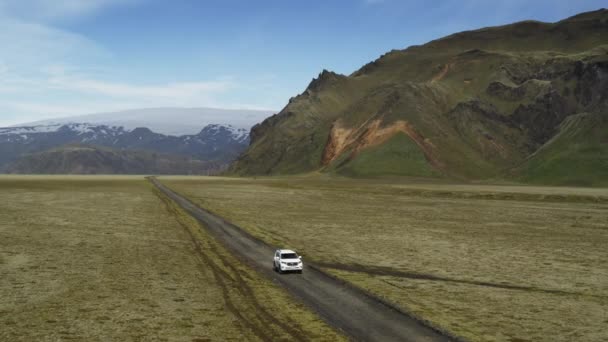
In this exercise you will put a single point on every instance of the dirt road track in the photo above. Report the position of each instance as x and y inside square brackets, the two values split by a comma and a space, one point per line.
[358, 314]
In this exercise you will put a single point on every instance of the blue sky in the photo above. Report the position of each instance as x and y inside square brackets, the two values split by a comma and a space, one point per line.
[69, 57]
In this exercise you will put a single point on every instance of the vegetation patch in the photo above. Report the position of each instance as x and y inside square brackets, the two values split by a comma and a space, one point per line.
[486, 262]
[398, 156]
[104, 259]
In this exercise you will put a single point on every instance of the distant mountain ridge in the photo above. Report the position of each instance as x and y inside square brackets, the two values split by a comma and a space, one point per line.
[213, 143]
[87, 159]
[167, 121]
[526, 101]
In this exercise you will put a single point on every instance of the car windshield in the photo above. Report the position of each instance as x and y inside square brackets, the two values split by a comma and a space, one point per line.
[289, 256]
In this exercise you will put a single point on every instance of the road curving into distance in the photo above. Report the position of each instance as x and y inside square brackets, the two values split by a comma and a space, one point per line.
[356, 313]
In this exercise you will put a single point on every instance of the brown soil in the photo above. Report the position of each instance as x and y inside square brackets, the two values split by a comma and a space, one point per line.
[369, 134]
[338, 139]
[441, 74]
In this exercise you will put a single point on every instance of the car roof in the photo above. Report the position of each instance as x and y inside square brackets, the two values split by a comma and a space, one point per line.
[286, 251]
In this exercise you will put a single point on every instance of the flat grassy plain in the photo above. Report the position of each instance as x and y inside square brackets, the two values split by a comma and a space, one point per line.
[109, 259]
[486, 262]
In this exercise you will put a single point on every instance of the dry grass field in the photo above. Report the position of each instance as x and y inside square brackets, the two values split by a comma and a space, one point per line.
[489, 263]
[108, 259]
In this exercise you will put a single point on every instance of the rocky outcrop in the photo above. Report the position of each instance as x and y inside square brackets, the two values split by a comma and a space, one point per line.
[324, 79]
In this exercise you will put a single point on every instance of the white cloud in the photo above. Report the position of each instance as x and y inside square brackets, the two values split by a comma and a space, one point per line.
[178, 91]
[26, 44]
[61, 78]
[49, 10]
[88, 94]
[44, 109]
[20, 112]
[48, 72]
[61, 91]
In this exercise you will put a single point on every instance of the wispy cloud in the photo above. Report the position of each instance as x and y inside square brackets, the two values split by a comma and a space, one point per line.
[183, 92]
[49, 10]
[47, 72]
[67, 93]
[29, 111]
[29, 43]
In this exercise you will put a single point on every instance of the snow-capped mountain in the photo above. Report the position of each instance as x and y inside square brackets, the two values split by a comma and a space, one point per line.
[168, 121]
[218, 143]
[85, 130]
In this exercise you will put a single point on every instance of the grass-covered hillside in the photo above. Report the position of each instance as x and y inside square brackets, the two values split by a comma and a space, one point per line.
[525, 101]
[577, 155]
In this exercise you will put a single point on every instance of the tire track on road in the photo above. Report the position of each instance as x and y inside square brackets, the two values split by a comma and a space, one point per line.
[357, 313]
[263, 319]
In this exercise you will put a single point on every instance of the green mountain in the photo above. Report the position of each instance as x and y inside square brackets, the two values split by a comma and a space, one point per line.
[526, 101]
[84, 159]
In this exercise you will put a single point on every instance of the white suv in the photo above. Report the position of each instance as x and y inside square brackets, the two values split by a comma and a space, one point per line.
[286, 260]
